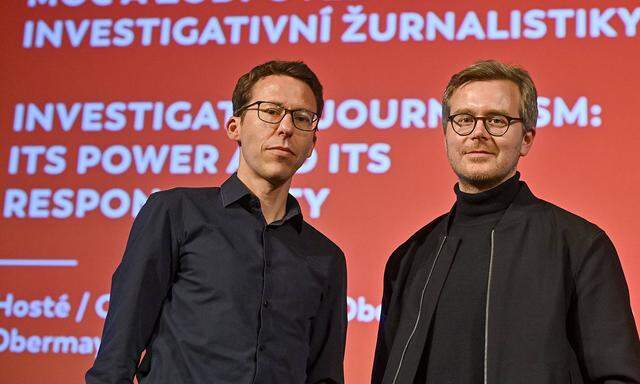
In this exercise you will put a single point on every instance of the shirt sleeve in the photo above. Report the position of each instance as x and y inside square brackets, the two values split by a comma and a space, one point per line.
[604, 329]
[138, 289]
[329, 330]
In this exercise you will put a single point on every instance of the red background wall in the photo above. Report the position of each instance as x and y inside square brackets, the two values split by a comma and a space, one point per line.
[590, 169]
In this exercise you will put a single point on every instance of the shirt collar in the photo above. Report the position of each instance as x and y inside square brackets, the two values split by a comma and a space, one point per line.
[233, 190]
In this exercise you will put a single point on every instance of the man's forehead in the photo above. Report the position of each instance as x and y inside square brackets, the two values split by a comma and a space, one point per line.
[280, 83]
[482, 84]
[285, 90]
[481, 92]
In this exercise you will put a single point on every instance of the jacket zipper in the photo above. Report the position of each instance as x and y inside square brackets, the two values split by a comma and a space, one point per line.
[415, 326]
[486, 312]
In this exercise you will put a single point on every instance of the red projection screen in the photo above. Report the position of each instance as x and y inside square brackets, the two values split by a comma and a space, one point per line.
[105, 101]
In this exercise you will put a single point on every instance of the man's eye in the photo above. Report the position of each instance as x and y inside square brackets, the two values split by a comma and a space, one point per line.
[497, 120]
[303, 119]
[272, 111]
[464, 120]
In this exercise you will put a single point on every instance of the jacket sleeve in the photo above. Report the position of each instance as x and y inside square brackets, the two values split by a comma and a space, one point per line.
[384, 340]
[607, 338]
[329, 330]
[138, 288]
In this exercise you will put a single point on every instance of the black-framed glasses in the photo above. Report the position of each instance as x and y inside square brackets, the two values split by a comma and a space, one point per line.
[497, 125]
[273, 113]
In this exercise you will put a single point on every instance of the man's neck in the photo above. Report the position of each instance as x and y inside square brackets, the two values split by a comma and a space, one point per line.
[273, 197]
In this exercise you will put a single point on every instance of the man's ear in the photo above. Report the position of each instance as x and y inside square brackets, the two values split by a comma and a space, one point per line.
[233, 127]
[527, 142]
[444, 139]
[313, 145]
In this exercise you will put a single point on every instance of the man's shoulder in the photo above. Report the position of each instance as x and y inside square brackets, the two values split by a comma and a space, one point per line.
[178, 193]
[416, 240]
[424, 232]
[567, 221]
[328, 246]
[178, 196]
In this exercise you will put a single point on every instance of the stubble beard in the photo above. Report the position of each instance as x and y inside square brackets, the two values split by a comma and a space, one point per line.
[482, 180]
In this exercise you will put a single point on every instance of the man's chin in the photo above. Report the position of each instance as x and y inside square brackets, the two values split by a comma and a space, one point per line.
[278, 176]
[480, 179]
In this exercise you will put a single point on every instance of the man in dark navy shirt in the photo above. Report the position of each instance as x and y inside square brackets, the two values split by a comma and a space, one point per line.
[230, 284]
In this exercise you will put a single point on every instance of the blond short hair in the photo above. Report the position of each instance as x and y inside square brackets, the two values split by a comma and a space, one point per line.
[494, 70]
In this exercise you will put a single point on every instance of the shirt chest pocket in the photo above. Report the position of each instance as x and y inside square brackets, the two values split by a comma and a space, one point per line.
[295, 288]
[215, 263]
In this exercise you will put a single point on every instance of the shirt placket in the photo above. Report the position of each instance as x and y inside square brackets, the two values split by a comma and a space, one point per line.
[261, 345]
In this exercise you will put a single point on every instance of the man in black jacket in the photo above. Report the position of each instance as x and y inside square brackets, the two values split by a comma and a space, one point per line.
[230, 285]
[505, 288]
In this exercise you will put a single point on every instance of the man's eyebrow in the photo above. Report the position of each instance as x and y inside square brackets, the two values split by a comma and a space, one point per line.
[281, 105]
[462, 110]
[497, 112]
[272, 102]
[488, 112]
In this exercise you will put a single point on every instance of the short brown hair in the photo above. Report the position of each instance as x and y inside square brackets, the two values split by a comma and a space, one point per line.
[295, 69]
[494, 70]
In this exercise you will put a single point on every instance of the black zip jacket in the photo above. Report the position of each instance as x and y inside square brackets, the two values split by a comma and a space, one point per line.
[557, 305]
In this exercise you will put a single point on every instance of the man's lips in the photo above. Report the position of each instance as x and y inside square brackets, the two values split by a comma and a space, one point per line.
[478, 152]
[281, 149]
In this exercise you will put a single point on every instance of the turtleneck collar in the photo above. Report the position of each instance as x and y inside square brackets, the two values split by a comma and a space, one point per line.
[473, 206]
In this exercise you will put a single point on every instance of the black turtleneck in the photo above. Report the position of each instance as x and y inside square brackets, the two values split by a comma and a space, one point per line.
[454, 352]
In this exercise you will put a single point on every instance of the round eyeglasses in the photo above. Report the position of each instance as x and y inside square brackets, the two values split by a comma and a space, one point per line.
[497, 125]
[273, 113]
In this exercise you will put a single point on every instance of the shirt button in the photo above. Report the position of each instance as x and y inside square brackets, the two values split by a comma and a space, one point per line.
[268, 262]
[266, 303]
[260, 347]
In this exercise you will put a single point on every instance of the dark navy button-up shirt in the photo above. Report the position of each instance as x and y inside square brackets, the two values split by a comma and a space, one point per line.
[212, 294]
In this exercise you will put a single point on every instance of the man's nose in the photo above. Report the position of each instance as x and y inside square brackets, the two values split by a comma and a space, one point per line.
[286, 124]
[481, 130]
